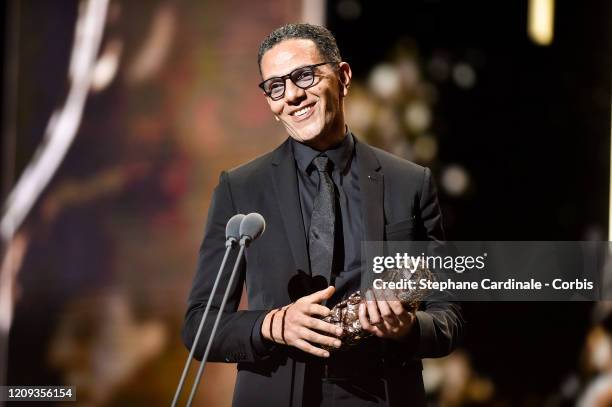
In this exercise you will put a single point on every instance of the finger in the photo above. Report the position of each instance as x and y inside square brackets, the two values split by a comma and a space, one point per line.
[397, 308]
[378, 331]
[306, 347]
[320, 296]
[388, 328]
[322, 326]
[313, 337]
[316, 309]
[394, 303]
[385, 311]
[363, 318]
[372, 308]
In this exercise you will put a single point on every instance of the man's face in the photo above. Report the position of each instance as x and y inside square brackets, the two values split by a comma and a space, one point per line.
[313, 116]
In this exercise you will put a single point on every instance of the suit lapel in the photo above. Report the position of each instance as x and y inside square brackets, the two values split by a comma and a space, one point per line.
[286, 190]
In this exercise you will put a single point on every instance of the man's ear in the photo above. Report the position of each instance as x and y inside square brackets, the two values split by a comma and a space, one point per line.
[344, 70]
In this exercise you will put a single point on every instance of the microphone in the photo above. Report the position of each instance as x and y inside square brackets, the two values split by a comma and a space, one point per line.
[232, 236]
[232, 229]
[251, 227]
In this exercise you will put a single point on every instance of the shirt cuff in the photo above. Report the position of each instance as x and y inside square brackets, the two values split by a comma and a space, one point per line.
[261, 345]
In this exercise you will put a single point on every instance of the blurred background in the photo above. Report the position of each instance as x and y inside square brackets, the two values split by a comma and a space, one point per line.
[117, 117]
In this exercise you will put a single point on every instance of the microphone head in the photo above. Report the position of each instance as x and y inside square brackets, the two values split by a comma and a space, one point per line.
[232, 229]
[252, 226]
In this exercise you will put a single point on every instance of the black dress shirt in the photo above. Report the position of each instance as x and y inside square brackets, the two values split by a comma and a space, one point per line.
[349, 224]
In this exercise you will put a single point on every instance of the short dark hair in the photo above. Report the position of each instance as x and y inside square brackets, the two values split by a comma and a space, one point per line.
[321, 36]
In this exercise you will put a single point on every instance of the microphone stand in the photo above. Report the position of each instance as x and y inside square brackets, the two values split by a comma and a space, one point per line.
[244, 241]
[229, 244]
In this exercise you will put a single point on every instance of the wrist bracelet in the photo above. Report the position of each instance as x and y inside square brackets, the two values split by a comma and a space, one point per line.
[283, 326]
[272, 324]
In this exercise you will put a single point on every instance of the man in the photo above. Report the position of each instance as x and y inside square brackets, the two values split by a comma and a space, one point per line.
[322, 193]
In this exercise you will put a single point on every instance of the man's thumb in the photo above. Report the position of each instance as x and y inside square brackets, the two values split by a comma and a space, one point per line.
[324, 294]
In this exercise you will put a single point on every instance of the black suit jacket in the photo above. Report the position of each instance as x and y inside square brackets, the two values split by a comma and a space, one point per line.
[399, 203]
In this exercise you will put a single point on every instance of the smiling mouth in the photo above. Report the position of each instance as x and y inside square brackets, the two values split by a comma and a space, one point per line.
[303, 113]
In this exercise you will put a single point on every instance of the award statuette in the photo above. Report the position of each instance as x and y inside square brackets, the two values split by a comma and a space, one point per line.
[345, 314]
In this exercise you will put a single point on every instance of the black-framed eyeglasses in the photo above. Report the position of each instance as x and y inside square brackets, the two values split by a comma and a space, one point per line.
[302, 77]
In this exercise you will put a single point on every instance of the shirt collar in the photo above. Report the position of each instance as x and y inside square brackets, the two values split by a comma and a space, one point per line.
[340, 154]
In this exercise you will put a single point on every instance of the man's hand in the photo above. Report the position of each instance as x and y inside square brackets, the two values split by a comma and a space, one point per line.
[384, 315]
[295, 324]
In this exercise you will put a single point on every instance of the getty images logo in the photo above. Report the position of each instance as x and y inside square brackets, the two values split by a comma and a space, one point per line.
[458, 264]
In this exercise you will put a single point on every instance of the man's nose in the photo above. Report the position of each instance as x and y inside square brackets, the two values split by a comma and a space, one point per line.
[293, 93]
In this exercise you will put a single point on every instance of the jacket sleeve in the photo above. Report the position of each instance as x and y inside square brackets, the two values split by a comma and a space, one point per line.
[233, 340]
[439, 326]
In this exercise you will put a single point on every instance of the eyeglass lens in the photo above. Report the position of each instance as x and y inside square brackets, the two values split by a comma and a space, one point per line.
[302, 77]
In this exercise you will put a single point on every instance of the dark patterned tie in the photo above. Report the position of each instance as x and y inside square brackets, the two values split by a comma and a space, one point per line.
[321, 233]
